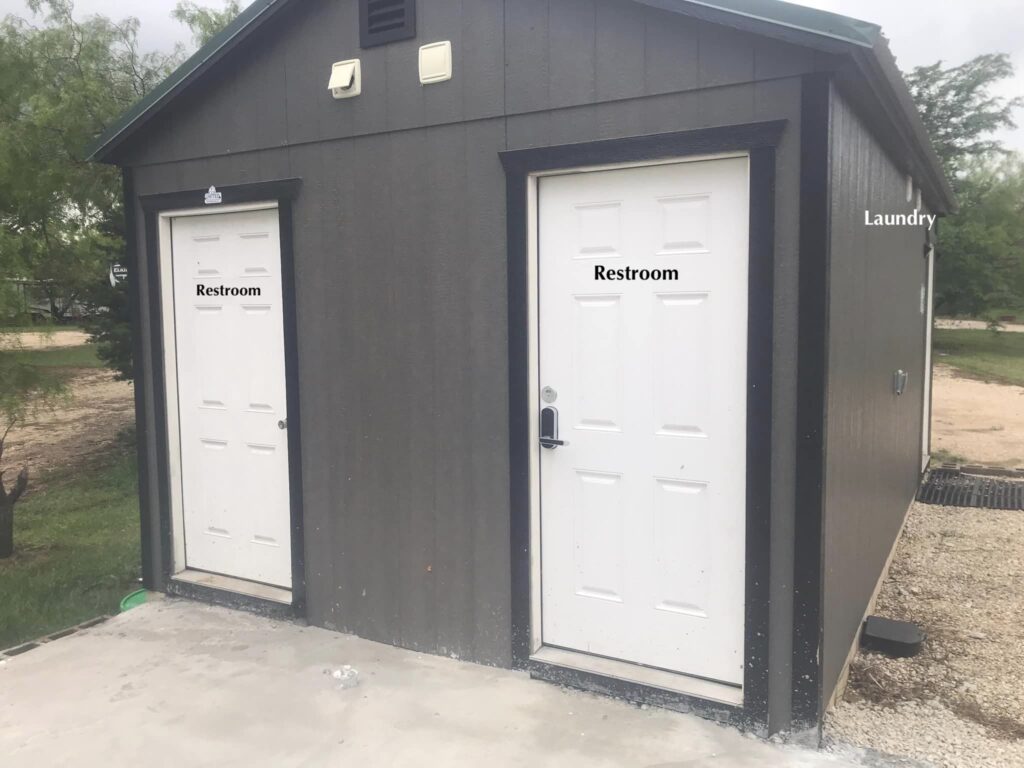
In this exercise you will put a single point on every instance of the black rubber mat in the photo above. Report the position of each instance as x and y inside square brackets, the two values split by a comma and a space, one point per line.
[955, 488]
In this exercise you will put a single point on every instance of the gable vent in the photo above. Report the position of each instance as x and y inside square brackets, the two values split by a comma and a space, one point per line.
[385, 21]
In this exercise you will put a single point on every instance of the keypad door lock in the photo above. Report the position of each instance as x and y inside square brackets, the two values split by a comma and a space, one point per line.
[549, 428]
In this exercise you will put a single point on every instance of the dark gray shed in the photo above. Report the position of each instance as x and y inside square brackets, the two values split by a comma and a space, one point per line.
[554, 334]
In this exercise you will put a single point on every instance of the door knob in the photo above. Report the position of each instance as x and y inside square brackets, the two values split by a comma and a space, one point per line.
[282, 424]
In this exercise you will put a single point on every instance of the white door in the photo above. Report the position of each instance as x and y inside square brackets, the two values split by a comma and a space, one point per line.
[643, 512]
[231, 394]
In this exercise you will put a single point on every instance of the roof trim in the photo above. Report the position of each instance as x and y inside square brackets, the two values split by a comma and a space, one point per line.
[146, 108]
[798, 19]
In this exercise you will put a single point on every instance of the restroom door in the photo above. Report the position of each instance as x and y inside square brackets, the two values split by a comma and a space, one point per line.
[232, 404]
[643, 508]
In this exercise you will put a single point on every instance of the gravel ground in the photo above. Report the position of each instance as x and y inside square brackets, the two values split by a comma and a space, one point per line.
[958, 573]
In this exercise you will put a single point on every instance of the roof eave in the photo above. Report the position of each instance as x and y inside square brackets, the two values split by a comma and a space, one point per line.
[800, 25]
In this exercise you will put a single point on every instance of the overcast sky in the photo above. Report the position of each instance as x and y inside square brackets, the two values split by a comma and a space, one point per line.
[919, 31]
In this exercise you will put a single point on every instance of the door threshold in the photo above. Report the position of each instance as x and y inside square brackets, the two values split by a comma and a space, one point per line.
[231, 584]
[625, 671]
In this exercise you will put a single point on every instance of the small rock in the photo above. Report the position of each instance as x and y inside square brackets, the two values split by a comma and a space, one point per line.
[347, 677]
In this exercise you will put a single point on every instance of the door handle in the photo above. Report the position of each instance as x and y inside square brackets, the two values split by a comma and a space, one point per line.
[282, 424]
[549, 428]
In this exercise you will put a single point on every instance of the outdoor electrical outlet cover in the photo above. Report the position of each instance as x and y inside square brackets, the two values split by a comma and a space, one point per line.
[436, 62]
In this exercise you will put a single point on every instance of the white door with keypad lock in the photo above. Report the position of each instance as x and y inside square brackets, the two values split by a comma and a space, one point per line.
[232, 395]
[642, 398]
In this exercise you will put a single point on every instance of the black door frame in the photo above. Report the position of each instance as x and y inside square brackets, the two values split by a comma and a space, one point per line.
[156, 523]
[759, 141]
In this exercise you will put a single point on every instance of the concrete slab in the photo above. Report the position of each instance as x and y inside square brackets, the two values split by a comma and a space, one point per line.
[178, 683]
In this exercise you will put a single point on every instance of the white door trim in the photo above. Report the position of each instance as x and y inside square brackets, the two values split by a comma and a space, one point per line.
[170, 361]
[568, 659]
[929, 319]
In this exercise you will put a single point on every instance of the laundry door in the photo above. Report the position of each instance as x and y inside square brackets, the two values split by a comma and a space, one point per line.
[643, 382]
[231, 409]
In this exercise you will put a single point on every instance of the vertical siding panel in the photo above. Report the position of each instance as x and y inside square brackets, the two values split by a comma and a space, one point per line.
[482, 72]
[329, 471]
[452, 371]
[727, 106]
[774, 59]
[302, 70]
[485, 454]
[620, 65]
[726, 56]
[374, 434]
[407, 397]
[273, 164]
[671, 57]
[527, 63]
[525, 131]
[271, 111]
[572, 52]
[401, 87]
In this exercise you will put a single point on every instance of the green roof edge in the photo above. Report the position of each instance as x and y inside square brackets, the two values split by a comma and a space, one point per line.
[798, 17]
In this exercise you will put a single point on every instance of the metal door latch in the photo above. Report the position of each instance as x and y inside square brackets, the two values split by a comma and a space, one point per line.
[899, 381]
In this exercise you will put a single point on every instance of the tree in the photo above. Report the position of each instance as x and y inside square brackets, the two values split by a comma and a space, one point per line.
[980, 261]
[205, 23]
[957, 106]
[983, 246]
[63, 83]
[23, 389]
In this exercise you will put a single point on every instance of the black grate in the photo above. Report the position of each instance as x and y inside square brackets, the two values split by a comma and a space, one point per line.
[955, 488]
[386, 21]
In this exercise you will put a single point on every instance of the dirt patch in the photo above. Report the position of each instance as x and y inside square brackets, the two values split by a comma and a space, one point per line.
[97, 411]
[981, 422]
[51, 339]
[959, 574]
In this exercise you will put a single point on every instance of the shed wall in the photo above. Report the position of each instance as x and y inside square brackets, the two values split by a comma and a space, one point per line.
[875, 326]
[401, 272]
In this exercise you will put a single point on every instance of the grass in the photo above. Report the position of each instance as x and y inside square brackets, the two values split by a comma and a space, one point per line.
[987, 355]
[82, 356]
[76, 550]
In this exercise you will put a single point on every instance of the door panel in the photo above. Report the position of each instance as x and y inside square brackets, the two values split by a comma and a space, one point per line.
[643, 511]
[232, 395]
